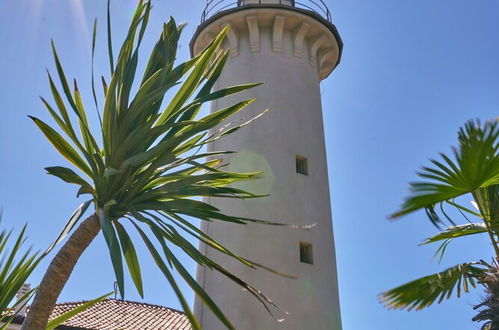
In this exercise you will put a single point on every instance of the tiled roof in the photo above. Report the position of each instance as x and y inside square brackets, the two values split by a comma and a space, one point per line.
[113, 314]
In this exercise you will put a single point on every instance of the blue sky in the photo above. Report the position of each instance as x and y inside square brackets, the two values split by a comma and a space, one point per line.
[411, 74]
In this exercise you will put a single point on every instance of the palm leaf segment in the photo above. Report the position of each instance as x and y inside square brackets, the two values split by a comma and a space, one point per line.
[475, 171]
[424, 291]
[476, 166]
[149, 169]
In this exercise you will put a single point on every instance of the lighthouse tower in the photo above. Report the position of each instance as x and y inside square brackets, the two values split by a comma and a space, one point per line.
[291, 47]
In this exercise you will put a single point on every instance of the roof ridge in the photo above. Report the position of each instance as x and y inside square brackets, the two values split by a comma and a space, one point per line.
[146, 304]
[71, 302]
[65, 303]
[119, 300]
[123, 314]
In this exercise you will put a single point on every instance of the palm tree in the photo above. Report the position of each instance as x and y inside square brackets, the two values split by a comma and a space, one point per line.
[148, 172]
[474, 172]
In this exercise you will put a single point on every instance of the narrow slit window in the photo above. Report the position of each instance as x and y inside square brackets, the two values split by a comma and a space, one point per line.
[301, 165]
[306, 253]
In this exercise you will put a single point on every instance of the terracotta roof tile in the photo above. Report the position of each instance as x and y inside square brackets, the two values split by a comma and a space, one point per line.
[112, 314]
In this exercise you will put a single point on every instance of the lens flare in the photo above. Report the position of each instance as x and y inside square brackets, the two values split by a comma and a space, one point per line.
[81, 19]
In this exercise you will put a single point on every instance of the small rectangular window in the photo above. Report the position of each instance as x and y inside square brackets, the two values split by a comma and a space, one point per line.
[306, 254]
[301, 165]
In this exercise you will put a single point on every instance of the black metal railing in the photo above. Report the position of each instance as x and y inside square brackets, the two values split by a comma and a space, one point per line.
[214, 7]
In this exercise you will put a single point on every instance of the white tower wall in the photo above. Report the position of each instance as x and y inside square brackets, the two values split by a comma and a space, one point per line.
[291, 52]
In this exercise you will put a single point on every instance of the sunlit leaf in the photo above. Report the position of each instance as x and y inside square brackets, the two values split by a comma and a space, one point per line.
[475, 165]
[427, 290]
[54, 323]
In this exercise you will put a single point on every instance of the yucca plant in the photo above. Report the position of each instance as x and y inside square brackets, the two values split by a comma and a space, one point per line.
[16, 266]
[473, 174]
[146, 170]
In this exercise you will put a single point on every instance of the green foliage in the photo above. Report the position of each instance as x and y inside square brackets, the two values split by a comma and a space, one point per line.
[476, 165]
[15, 268]
[457, 231]
[473, 172]
[66, 316]
[17, 265]
[447, 235]
[149, 168]
[425, 291]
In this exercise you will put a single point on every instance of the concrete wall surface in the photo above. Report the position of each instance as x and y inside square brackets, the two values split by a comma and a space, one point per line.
[272, 47]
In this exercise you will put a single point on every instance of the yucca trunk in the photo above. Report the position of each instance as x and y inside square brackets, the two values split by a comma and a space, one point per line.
[490, 306]
[58, 273]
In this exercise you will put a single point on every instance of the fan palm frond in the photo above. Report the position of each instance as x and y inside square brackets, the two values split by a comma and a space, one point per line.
[457, 231]
[475, 166]
[427, 290]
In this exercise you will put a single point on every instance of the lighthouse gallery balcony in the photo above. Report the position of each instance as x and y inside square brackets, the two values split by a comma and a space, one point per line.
[314, 7]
